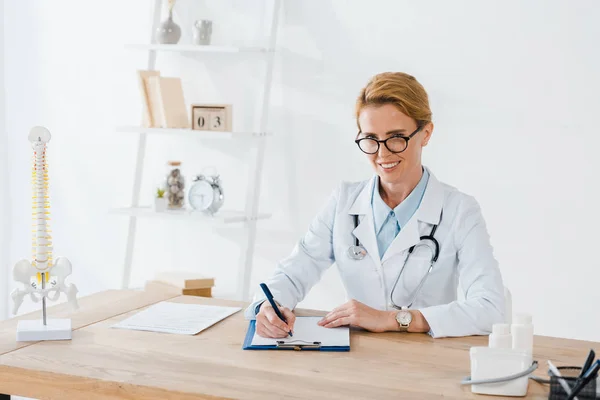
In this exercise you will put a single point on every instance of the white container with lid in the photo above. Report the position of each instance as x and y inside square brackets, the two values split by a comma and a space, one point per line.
[522, 332]
[500, 338]
[487, 363]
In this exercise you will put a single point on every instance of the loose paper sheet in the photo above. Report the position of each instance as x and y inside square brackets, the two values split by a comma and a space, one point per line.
[307, 331]
[179, 318]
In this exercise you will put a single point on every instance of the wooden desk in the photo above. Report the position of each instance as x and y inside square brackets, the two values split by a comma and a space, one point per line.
[101, 362]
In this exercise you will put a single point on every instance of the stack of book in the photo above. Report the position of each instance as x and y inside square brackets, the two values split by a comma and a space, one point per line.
[181, 282]
[163, 101]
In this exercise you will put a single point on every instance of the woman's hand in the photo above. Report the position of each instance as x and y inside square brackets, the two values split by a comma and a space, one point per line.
[357, 314]
[269, 325]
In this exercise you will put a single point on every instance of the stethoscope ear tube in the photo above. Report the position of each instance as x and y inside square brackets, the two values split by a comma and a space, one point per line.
[436, 244]
[468, 381]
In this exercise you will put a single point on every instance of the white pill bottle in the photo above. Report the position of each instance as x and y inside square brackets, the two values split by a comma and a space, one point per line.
[500, 338]
[522, 332]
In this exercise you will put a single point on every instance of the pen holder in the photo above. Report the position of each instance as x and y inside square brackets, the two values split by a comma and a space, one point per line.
[569, 376]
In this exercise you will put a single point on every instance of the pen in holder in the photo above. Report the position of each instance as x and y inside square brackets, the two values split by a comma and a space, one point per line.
[569, 377]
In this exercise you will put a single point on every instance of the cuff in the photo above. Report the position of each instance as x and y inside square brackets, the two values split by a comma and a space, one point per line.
[257, 308]
[281, 299]
[252, 309]
[431, 316]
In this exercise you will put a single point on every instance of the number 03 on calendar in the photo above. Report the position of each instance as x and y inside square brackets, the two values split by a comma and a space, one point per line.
[211, 117]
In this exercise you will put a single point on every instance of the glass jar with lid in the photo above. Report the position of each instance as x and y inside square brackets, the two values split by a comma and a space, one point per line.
[175, 186]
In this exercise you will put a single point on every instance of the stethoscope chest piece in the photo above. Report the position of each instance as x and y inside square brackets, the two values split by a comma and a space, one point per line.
[357, 252]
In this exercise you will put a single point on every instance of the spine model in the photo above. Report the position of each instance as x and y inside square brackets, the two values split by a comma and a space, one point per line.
[42, 277]
[42, 241]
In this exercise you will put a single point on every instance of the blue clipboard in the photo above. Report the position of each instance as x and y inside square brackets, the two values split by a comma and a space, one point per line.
[314, 346]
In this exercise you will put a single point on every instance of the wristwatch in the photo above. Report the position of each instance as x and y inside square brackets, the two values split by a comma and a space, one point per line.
[404, 318]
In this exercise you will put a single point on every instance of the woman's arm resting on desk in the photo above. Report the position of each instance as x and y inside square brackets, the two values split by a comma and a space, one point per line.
[479, 277]
[355, 313]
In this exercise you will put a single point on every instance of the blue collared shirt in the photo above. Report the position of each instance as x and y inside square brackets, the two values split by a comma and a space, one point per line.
[389, 222]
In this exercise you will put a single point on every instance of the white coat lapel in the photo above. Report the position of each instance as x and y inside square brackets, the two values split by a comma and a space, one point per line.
[429, 211]
[407, 237]
[365, 231]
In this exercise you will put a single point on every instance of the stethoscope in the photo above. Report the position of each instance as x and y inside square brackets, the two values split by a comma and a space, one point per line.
[358, 252]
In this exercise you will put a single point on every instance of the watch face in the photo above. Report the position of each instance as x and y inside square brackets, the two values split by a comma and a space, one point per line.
[201, 195]
[404, 317]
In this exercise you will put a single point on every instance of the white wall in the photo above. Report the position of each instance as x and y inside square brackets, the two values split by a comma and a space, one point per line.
[4, 176]
[513, 88]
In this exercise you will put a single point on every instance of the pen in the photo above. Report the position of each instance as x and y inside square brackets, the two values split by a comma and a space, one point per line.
[588, 363]
[267, 292]
[588, 376]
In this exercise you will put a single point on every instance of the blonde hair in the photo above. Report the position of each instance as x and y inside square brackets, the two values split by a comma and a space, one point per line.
[399, 89]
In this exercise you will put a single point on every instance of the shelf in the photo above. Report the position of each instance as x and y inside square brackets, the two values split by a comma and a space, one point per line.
[220, 218]
[190, 48]
[192, 132]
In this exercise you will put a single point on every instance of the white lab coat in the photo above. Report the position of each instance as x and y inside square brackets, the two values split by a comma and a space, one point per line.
[466, 263]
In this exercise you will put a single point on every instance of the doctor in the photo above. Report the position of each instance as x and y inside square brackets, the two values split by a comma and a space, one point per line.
[404, 243]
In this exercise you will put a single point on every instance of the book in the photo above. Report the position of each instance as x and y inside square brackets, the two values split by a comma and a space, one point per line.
[143, 75]
[155, 103]
[206, 292]
[168, 102]
[185, 280]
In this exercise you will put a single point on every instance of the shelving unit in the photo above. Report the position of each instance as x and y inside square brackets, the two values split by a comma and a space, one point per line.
[189, 48]
[220, 218]
[193, 133]
[247, 218]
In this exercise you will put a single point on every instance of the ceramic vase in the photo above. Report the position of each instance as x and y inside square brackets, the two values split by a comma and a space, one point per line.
[168, 32]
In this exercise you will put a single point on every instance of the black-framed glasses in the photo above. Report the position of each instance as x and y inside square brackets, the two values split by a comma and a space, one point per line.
[395, 143]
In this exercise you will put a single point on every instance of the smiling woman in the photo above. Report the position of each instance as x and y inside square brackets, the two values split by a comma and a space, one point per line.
[393, 109]
[402, 240]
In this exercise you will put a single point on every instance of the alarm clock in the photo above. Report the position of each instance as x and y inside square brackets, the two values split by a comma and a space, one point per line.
[206, 194]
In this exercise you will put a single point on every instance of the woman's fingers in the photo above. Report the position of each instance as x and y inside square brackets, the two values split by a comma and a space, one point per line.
[268, 324]
[273, 326]
[265, 329]
[289, 316]
[332, 316]
[276, 321]
[343, 321]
